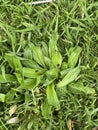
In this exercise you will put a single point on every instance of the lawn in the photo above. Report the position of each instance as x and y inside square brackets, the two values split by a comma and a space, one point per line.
[49, 65]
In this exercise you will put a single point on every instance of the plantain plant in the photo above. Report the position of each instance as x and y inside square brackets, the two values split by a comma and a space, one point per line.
[43, 65]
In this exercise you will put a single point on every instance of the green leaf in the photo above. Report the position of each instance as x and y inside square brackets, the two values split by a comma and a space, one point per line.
[17, 64]
[46, 109]
[44, 49]
[8, 78]
[52, 96]
[48, 62]
[31, 73]
[2, 97]
[52, 73]
[64, 66]
[31, 64]
[9, 58]
[53, 43]
[27, 53]
[13, 61]
[28, 27]
[11, 34]
[70, 76]
[28, 84]
[79, 88]
[19, 77]
[56, 58]
[3, 71]
[73, 56]
[64, 72]
[38, 55]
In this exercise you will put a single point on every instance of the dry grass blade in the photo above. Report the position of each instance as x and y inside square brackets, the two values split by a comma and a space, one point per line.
[70, 124]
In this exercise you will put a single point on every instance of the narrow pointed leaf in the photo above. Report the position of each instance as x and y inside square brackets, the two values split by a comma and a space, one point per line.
[28, 84]
[2, 97]
[56, 58]
[46, 109]
[73, 56]
[8, 78]
[52, 96]
[31, 73]
[38, 55]
[79, 88]
[70, 76]
[9, 58]
[13, 61]
[52, 73]
[53, 43]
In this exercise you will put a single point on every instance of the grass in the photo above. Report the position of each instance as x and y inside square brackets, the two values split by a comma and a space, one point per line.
[49, 65]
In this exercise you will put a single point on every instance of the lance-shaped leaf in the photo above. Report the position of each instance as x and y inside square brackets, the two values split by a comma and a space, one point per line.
[44, 49]
[17, 64]
[79, 88]
[28, 84]
[56, 58]
[31, 73]
[70, 76]
[48, 62]
[73, 56]
[7, 78]
[53, 43]
[19, 77]
[2, 97]
[52, 96]
[38, 55]
[28, 53]
[52, 73]
[46, 109]
[13, 61]
[31, 64]
[9, 58]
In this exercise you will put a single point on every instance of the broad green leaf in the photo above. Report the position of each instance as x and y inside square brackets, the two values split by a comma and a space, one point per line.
[27, 53]
[2, 97]
[31, 73]
[38, 55]
[19, 77]
[52, 96]
[13, 61]
[79, 88]
[8, 78]
[46, 109]
[70, 76]
[64, 66]
[56, 58]
[73, 56]
[64, 72]
[28, 84]
[9, 58]
[48, 62]
[17, 64]
[52, 73]
[31, 64]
